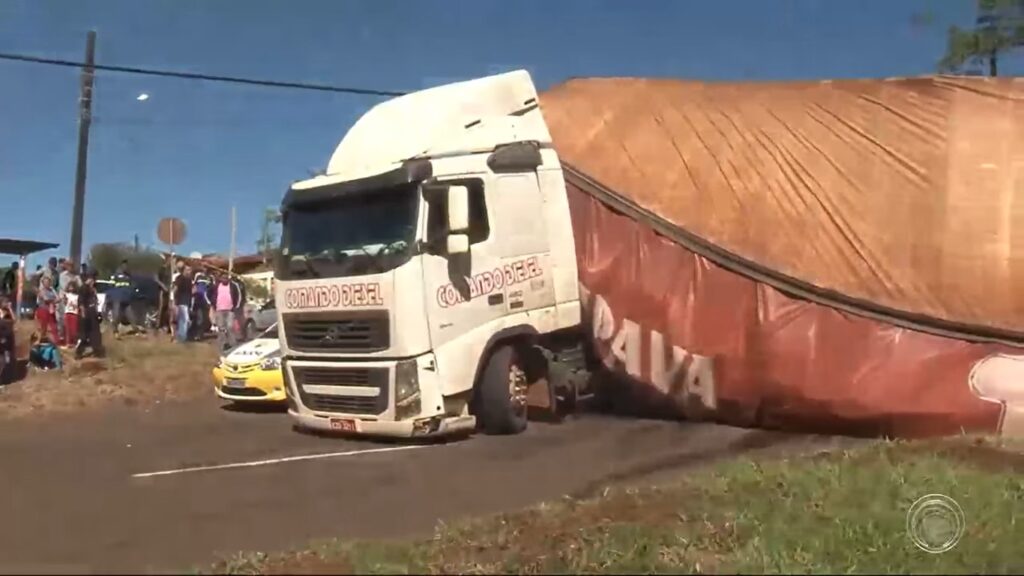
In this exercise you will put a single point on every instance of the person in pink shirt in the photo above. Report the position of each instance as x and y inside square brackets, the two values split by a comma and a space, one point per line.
[225, 298]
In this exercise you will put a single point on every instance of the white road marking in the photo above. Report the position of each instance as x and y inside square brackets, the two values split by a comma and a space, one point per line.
[281, 460]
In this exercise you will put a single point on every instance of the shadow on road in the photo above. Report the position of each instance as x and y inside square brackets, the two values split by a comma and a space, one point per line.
[371, 441]
[255, 408]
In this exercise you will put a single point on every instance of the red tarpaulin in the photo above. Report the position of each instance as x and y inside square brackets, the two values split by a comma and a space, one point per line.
[710, 343]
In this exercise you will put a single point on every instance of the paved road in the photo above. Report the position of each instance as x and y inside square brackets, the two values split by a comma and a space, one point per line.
[72, 504]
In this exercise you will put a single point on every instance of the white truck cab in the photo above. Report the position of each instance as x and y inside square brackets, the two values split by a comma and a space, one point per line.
[417, 276]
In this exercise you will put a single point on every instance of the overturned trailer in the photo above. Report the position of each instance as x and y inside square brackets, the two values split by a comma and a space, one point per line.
[843, 256]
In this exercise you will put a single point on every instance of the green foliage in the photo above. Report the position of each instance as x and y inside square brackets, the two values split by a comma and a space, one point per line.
[998, 29]
[268, 237]
[104, 259]
[256, 290]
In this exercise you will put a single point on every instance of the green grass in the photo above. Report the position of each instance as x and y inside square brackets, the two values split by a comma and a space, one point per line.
[836, 513]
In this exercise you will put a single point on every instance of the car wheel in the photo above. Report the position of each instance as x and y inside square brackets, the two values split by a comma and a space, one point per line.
[501, 393]
[153, 319]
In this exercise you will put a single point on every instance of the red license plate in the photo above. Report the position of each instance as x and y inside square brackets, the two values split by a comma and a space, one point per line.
[343, 425]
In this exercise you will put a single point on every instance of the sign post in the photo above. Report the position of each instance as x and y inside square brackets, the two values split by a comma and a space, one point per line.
[20, 289]
[170, 231]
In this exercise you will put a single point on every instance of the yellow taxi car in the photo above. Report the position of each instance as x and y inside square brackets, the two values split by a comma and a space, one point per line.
[251, 372]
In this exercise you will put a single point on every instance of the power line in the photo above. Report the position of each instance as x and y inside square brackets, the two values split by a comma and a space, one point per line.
[195, 76]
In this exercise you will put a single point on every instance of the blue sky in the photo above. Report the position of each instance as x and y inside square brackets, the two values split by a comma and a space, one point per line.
[194, 149]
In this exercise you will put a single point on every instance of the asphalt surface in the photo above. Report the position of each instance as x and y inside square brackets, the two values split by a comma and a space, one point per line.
[72, 502]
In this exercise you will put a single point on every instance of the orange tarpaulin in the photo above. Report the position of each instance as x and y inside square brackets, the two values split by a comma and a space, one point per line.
[904, 192]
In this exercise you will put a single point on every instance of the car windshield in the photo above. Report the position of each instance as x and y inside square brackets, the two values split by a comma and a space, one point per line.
[270, 332]
[366, 233]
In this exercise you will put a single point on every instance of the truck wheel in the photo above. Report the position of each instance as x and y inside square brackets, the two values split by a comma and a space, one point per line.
[502, 393]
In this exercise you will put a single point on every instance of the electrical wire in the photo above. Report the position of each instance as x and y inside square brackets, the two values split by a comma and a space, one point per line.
[196, 76]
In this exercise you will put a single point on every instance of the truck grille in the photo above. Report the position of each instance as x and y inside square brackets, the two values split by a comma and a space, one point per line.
[350, 332]
[342, 404]
[374, 378]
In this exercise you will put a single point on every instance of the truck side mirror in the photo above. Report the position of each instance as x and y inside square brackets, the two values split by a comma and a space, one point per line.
[458, 209]
[458, 244]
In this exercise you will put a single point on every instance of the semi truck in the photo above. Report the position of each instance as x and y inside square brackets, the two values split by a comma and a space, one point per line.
[476, 251]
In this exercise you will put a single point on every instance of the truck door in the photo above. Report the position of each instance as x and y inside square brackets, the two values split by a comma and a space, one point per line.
[506, 273]
[461, 293]
[525, 246]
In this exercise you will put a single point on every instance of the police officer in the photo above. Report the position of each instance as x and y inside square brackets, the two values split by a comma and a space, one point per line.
[120, 295]
[89, 319]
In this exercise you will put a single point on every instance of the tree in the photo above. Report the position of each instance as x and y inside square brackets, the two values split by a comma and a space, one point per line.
[256, 290]
[998, 29]
[106, 257]
[268, 238]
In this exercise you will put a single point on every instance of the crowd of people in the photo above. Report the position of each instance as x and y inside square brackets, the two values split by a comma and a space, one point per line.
[68, 313]
[203, 298]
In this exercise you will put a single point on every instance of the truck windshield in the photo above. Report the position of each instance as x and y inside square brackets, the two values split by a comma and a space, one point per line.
[365, 233]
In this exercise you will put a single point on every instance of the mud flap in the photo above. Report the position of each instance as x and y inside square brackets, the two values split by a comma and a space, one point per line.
[541, 398]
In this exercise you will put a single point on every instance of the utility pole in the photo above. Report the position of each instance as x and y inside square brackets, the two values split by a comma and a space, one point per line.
[231, 255]
[84, 121]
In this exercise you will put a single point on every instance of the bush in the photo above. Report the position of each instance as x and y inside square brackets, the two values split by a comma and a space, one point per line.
[104, 259]
[257, 290]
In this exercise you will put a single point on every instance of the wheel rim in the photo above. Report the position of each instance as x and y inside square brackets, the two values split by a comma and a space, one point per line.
[517, 388]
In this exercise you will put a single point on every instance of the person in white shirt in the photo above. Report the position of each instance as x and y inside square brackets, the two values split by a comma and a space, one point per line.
[179, 267]
[70, 299]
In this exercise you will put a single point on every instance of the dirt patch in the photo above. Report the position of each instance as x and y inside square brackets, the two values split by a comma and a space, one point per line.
[138, 370]
[308, 563]
[527, 539]
[301, 562]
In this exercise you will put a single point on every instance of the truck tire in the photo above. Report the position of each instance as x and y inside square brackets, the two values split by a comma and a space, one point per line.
[501, 393]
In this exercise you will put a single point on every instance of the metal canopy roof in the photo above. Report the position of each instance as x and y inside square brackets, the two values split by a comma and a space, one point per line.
[23, 247]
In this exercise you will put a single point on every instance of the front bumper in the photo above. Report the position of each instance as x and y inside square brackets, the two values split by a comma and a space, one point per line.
[374, 398]
[261, 386]
[414, 428]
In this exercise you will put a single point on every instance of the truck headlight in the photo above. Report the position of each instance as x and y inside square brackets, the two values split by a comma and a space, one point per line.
[407, 389]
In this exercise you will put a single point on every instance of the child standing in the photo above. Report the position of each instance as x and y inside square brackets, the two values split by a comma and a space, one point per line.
[46, 309]
[71, 314]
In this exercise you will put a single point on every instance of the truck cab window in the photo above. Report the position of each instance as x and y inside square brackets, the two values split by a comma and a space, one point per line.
[361, 233]
[479, 224]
